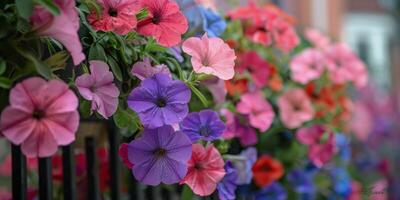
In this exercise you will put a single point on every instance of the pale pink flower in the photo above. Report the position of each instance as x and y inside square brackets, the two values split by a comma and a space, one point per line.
[285, 35]
[207, 4]
[260, 112]
[144, 69]
[217, 88]
[118, 16]
[98, 87]
[322, 153]
[41, 116]
[307, 66]
[362, 121]
[317, 38]
[165, 22]
[295, 108]
[205, 170]
[63, 27]
[211, 56]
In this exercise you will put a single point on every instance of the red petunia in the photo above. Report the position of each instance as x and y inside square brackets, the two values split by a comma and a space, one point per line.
[266, 170]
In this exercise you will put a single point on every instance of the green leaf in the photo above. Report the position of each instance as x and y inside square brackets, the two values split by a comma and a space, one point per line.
[142, 14]
[97, 52]
[3, 66]
[5, 83]
[187, 193]
[126, 119]
[85, 108]
[198, 94]
[57, 60]
[115, 69]
[50, 6]
[41, 67]
[152, 46]
[25, 8]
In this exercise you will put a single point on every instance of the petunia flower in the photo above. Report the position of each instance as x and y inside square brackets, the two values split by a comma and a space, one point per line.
[237, 126]
[307, 66]
[206, 169]
[237, 86]
[301, 181]
[118, 16]
[63, 27]
[274, 191]
[160, 156]
[98, 87]
[310, 135]
[266, 170]
[144, 69]
[227, 187]
[165, 22]
[41, 116]
[317, 39]
[295, 108]
[213, 24]
[217, 88]
[210, 56]
[260, 112]
[123, 154]
[205, 125]
[285, 35]
[159, 101]
[322, 153]
[258, 68]
[243, 164]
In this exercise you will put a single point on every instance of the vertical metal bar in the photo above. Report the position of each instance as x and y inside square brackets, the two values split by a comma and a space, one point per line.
[69, 178]
[133, 187]
[149, 193]
[19, 180]
[113, 140]
[92, 169]
[45, 179]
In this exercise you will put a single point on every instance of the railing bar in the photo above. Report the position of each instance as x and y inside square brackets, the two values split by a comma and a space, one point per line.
[133, 187]
[149, 193]
[19, 179]
[45, 179]
[113, 140]
[92, 169]
[69, 178]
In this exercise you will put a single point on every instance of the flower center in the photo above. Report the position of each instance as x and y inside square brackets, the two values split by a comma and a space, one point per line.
[112, 12]
[38, 114]
[156, 18]
[160, 152]
[161, 102]
[198, 166]
[205, 131]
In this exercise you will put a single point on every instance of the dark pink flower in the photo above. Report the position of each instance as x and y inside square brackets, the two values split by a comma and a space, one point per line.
[258, 68]
[63, 27]
[118, 16]
[41, 116]
[165, 22]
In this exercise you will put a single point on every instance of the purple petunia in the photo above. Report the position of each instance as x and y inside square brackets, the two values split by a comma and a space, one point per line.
[159, 101]
[226, 188]
[301, 181]
[205, 125]
[160, 156]
[273, 191]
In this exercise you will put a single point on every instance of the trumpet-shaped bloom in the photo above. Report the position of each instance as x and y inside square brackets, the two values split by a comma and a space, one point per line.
[213, 24]
[144, 69]
[98, 87]
[206, 169]
[295, 108]
[307, 66]
[205, 125]
[160, 156]
[118, 16]
[274, 191]
[322, 153]
[260, 112]
[266, 170]
[165, 22]
[244, 163]
[317, 38]
[210, 56]
[236, 126]
[159, 101]
[63, 27]
[227, 187]
[41, 116]
[258, 68]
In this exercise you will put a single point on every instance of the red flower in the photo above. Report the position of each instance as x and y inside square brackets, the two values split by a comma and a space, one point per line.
[266, 170]
[123, 154]
[236, 87]
[165, 22]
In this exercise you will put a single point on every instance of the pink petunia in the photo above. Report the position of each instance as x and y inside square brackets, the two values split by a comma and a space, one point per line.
[260, 112]
[307, 66]
[41, 116]
[295, 108]
[237, 126]
[211, 56]
[258, 68]
[285, 35]
[63, 27]
[98, 87]
[165, 22]
[318, 39]
[205, 170]
[217, 88]
[144, 69]
[310, 135]
[322, 153]
[118, 16]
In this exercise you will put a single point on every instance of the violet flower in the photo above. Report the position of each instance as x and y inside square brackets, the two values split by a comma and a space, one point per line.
[273, 191]
[144, 69]
[160, 156]
[227, 187]
[159, 101]
[205, 125]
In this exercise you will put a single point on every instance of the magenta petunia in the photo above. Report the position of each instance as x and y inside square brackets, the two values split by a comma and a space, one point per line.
[63, 27]
[118, 16]
[41, 116]
[238, 126]
[307, 66]
[144, 69]
[165, 22]
[98, 87]
[211, 56]
[160, 156]
[258, 68]
[260, 112]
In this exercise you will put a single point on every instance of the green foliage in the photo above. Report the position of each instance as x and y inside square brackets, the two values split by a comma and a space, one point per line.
[25, 8]
[50, 6]
[96, 52]
[126, 119]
